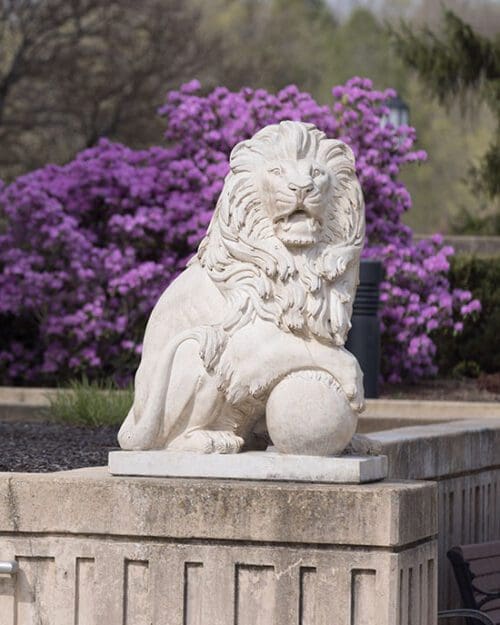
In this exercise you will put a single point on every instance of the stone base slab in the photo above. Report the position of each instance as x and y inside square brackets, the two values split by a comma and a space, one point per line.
[252, 465]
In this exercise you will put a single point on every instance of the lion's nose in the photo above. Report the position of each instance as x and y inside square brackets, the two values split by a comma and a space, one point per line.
[301, 189]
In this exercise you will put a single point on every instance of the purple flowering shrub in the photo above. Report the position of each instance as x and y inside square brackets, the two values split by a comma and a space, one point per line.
[87, 250]
[89, 246]
[416, 299]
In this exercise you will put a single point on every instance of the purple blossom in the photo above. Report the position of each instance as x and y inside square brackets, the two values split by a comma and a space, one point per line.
[88, 247]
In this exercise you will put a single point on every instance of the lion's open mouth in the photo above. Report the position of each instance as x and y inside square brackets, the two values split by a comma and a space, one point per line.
[299, 216]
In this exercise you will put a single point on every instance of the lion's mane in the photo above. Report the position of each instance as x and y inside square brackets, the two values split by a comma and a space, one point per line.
[309, 290]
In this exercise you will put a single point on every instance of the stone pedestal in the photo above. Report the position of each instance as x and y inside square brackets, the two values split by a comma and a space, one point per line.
[94, 548]
[252, 465]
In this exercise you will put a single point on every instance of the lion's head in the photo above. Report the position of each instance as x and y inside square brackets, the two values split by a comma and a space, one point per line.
[291, 168]
[290, 208]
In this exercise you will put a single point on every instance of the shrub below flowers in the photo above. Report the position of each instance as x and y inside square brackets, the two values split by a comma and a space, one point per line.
[89, 246]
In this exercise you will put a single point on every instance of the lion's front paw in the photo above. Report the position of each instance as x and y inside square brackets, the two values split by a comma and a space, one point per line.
[358, 404]
[352, 384]
[355, 395]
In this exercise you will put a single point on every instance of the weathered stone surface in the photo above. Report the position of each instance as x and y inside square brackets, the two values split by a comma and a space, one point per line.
[253, 465]
[384, 414]
[441, 450]
[92, 501]
[24, 404]
[94, 581]
[96, 549]
[330, 422]
[158, 533]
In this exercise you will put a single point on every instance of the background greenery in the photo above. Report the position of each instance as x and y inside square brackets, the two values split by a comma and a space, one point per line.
[455, 63]
[71, 72]
[477, 350]
[90, 403]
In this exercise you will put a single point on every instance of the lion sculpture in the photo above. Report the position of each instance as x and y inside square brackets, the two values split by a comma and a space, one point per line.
[267, 297]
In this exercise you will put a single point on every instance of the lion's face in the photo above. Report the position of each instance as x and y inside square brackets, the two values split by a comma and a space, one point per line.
[287, 224]
[295, 194]
[301, 182]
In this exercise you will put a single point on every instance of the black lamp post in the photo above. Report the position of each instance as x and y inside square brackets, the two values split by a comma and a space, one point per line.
[399, 113]
[364, 338]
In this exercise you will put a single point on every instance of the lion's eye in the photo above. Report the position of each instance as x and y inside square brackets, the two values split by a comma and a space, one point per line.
[316, 172]
[276, 171]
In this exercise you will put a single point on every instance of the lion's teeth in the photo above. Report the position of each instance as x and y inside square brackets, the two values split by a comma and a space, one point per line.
[313, 224]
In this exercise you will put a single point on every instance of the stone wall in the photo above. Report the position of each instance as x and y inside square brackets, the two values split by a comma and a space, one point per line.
[463, 457]
[96, 549]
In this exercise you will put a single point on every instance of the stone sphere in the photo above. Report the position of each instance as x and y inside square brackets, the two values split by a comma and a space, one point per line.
[308, 413]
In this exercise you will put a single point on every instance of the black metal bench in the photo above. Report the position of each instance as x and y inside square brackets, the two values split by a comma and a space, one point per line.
[472, 616]
[477, 571]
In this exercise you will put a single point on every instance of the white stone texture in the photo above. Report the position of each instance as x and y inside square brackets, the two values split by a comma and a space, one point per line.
[252, 465]
[270, 292]
[307, 413]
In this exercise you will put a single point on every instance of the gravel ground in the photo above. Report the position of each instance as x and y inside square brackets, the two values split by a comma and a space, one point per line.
[45, 447]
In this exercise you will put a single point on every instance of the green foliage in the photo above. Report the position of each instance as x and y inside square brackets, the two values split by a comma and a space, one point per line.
[466, 369]
[360, 46]
[477, 348]
[90, 403]
[440, 188]
[268, 44]
[456, 63]
[459, 59]
[476, 222]
[126, 55]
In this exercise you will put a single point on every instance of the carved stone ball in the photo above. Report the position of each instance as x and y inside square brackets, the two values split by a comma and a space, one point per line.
[308, 413]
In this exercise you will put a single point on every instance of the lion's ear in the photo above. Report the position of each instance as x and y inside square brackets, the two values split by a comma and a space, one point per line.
[337, 154]
[242, 156]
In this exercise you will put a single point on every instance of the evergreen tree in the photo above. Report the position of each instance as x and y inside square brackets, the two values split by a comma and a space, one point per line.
[452, 64]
